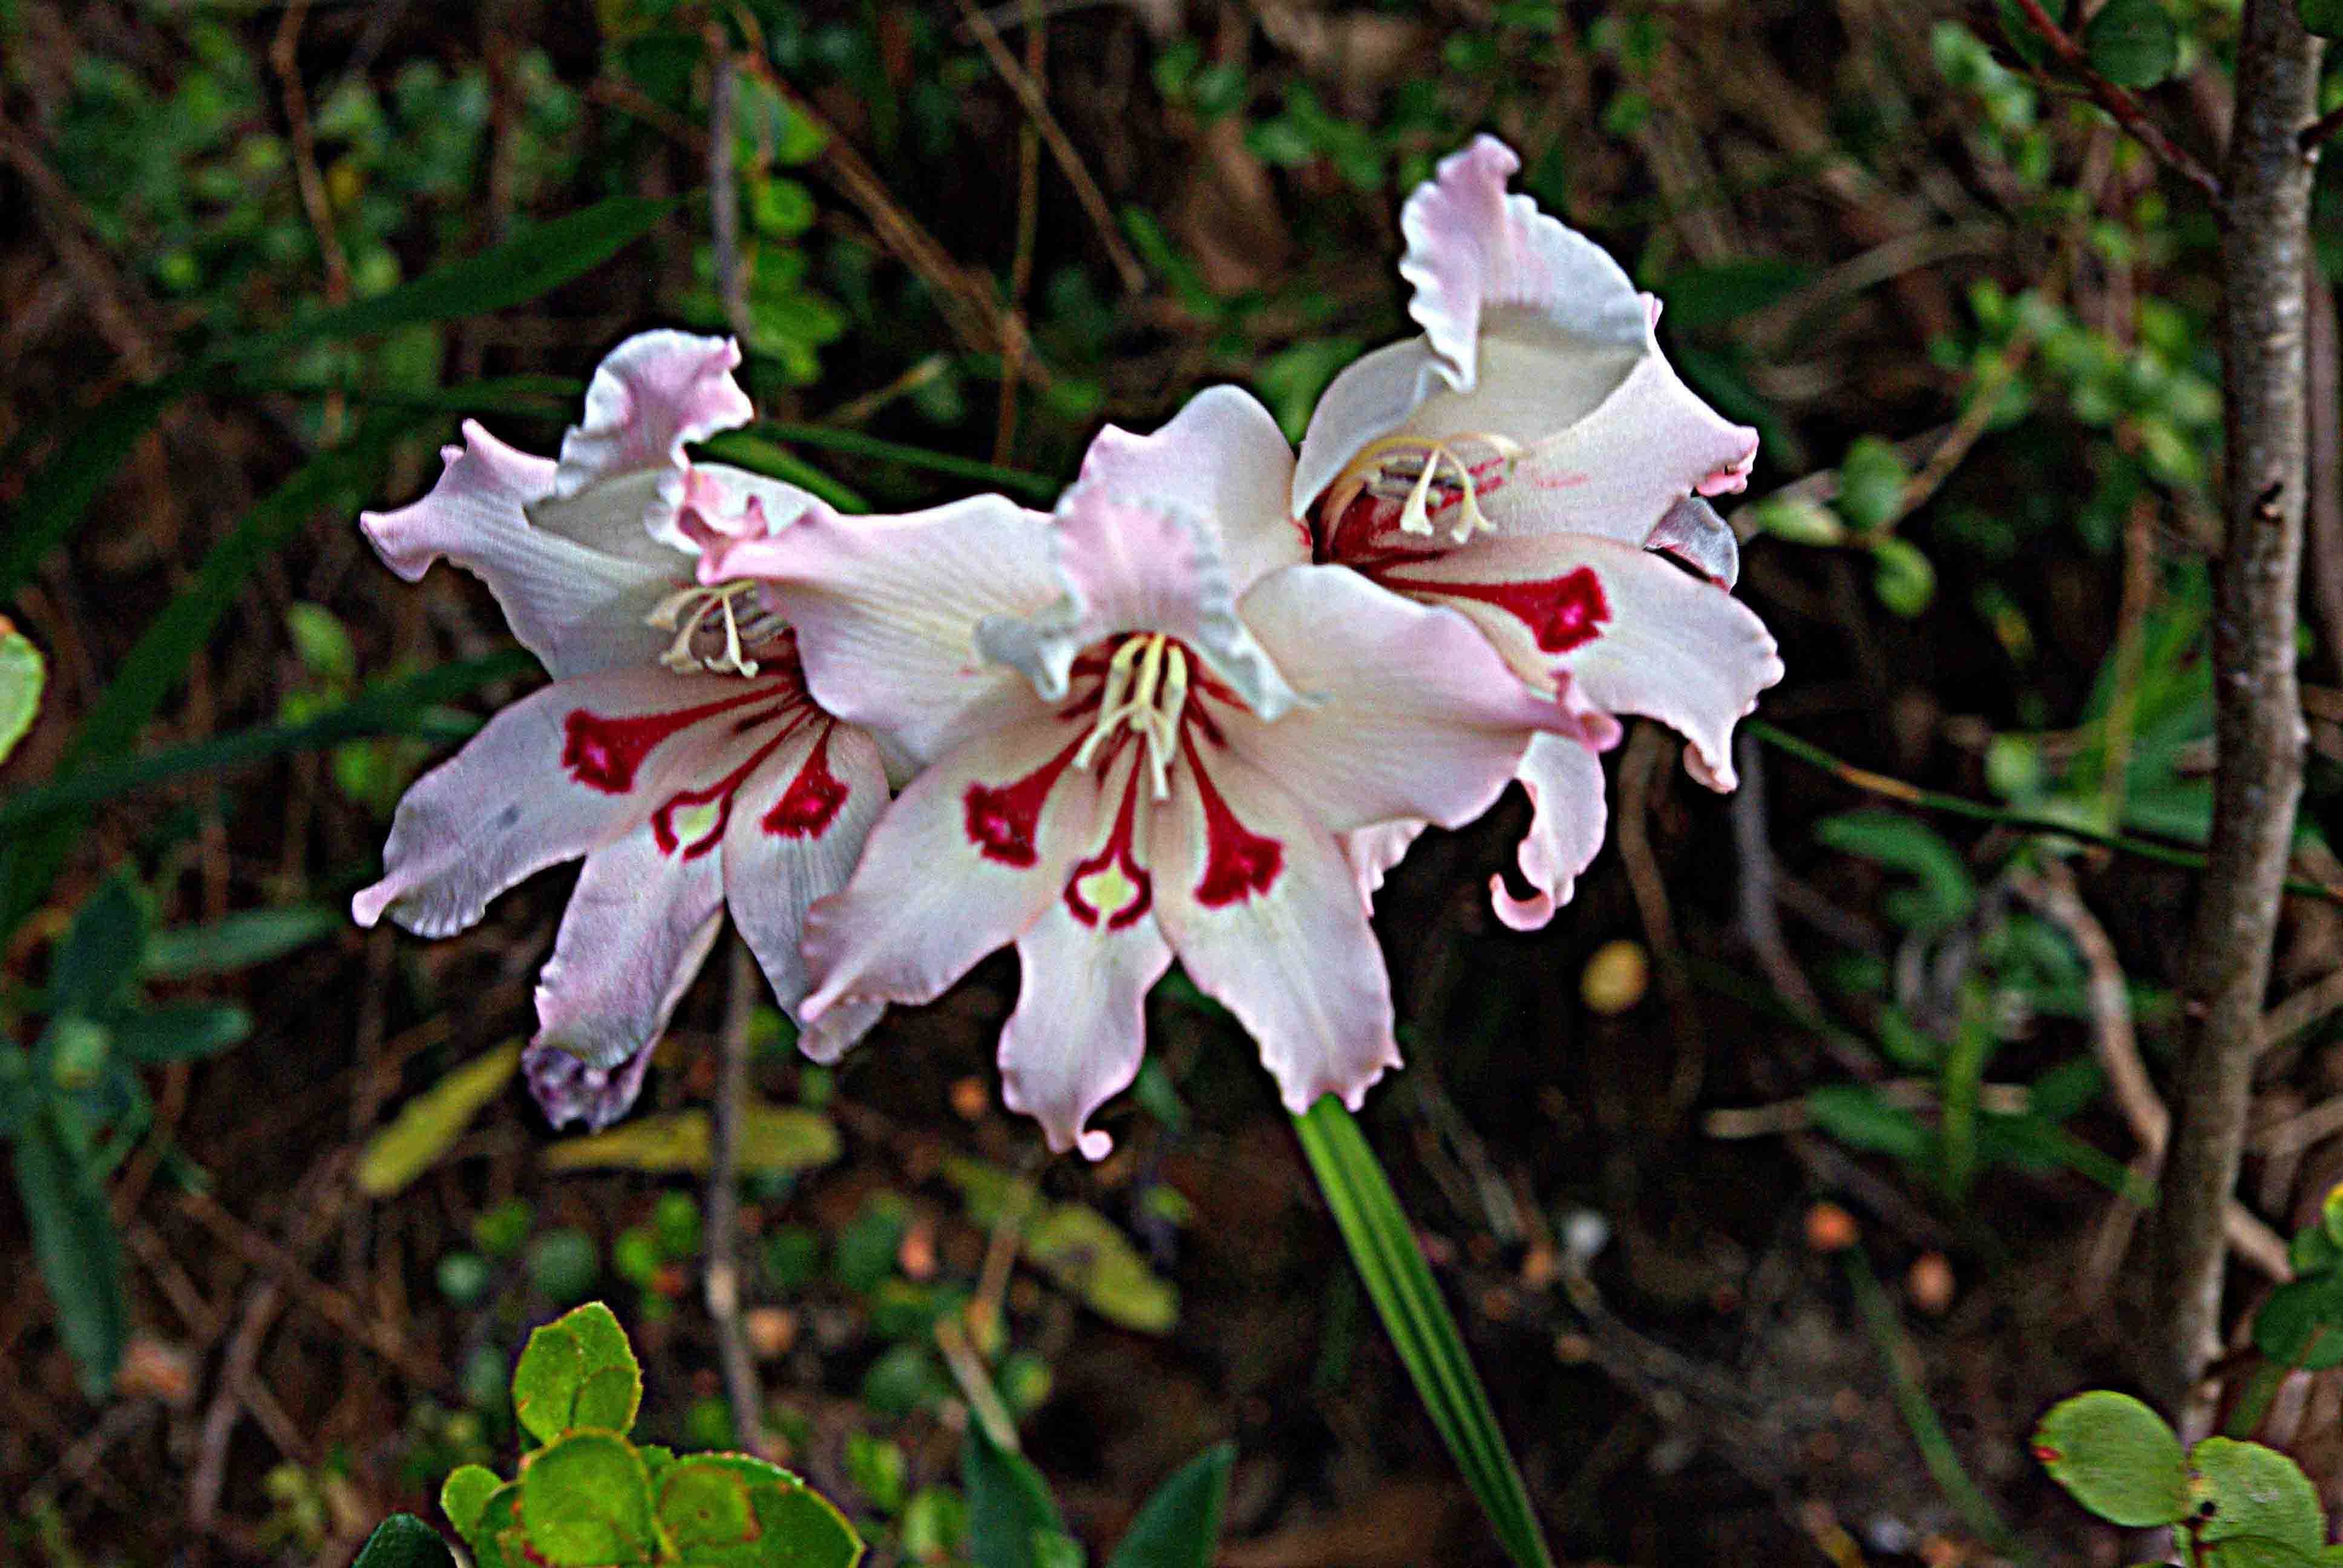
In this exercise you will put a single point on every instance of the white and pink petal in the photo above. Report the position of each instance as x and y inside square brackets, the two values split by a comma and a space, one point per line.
[1564, 776]
[1080, 1028]
[651, 396]
[638, 927]
[1221, 458]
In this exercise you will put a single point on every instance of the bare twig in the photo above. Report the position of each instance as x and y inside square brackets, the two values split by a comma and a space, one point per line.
[2119, 103]
[1028, 219]
[1062, 149]
[2315, 134]
[284, 55]
[741, 1390]
[1761, 917]
[2323, 525]
[2265, 247]
[1639, 767]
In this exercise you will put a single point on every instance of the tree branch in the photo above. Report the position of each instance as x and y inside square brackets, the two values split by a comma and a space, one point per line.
[2265, 245]
[2116, 101]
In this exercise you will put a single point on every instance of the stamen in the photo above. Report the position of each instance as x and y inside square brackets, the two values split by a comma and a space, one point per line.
[684, 611]
[1146, 689]
[1396, 460]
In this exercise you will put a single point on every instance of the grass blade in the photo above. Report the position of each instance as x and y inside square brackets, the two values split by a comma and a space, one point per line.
[73, 1240]
[1383, 1249]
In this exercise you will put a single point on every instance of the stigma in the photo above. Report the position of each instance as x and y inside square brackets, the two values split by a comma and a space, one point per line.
[1146, 691]
[713, 632]
[1428, 476]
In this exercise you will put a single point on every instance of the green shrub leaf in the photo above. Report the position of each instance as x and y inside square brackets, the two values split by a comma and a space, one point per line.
[2301, 1324]
[2117, 1457]
[586, 1502]
[1008, 1504]
[732, 1511]
[75, 1242]
[403, 1540]
[775, 1140]
[2324, 17]
[577, 1372]
[23, 673]
[2255, 1492]
[2133, 43]
[464, 1496]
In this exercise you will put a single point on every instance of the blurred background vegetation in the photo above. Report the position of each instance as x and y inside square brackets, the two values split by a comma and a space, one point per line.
[1778, 1184]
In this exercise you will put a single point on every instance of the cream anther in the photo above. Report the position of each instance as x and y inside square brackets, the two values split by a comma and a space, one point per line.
[1146, 689]
[1395, 460]
[684, 611]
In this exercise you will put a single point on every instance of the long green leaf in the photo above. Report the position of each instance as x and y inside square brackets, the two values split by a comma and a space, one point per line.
[1383, 1249]
[75, 1243]
[1034, 487]
[537, 259]
[1010, 1513]
[1181, 1524]
[405, 707]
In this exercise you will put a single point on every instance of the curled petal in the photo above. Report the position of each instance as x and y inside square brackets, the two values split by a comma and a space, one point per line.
[577, 608]
[970, 855]
[887, 609]
[1418, 717]
[557, 775]
[638, 928]
[1564, 781]
[1221, 458]
[650, 397]
[1080, 1028]
[1696, 536]
[566, 1089]
[1260, 903]
[794, 834]
[1375, 851]
[1130, 565]
[1472, 248]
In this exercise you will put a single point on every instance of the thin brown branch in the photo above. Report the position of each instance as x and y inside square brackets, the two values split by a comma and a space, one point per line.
[723, 187]
[1062, 149]
[2257, 780]
[2119, 103]
[2315, 134]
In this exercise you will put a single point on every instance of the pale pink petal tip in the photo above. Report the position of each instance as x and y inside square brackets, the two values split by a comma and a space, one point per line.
[1470, 246]
[652, 396]
[1095, 1146]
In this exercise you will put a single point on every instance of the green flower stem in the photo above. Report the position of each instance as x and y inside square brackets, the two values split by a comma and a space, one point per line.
[1383, 1249]
[1978, 810]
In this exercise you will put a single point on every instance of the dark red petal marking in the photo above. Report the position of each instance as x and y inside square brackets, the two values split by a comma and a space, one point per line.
[1001, 819]
[721, 793]
[604, 752]
[1115, 853]
[1239, 863]
[1562, 613]
[811, 802]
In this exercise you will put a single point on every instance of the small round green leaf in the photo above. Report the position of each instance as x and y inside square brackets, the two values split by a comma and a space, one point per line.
[2117, 1457]
[585, 1503]
[2133, 43]
[403, 1540]
[733, 1511]
[2256, 1492]
[464, 1496]
[2301, 1324]
[23, 674]
[2253, 1551]
[577, 1371]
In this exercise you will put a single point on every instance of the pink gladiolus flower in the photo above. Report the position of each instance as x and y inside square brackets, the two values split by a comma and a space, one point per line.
[1145, 723]
[1521, 461]
[677, 749]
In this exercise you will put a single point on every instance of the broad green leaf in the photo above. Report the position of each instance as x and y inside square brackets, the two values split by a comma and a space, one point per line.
[2324, 17]
[1698, 297]
[23, 674]
[428, 1125]
[403, 1540]
[576, 1371]
[775, 1140]
[99, 956]
[2117, 1457]
[2301, 1324]
[585, 1503]
[1008, 1504]
[1181, 1524]
[184, 1032]
[240, 940]
[2254, 1491]
[465, 1495]
[74, 1243]
[1384, 1249]
[732, 1511]
[2313, 1251]
[2133, 43]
